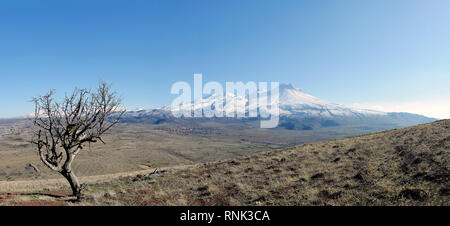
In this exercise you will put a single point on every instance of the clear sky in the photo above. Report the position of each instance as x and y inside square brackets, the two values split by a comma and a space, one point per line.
[388, 55]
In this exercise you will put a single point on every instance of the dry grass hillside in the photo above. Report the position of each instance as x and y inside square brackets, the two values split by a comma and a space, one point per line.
[408, 166]
[135, 146]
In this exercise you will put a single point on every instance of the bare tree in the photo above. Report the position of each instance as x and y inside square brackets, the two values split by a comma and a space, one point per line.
[64, 128]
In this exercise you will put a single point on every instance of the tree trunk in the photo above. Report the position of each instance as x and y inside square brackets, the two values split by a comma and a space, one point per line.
[74, 184]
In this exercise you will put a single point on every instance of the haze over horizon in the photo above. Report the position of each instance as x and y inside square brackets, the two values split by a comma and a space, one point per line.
[384, 55]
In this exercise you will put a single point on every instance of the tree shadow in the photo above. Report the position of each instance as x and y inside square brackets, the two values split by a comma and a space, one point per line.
[48, 194]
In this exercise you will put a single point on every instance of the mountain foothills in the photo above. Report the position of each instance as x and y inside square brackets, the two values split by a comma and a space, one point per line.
[409, 166]
[155, 138]
[317, 156]
[232, 161]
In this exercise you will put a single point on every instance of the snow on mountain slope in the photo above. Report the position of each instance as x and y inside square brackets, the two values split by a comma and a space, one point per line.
[298, 111]
[292, 101]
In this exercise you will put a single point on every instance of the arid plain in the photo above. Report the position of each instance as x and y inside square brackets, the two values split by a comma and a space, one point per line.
[397, 167]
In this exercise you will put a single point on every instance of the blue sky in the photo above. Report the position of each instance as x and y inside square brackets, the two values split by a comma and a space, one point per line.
[386, 55]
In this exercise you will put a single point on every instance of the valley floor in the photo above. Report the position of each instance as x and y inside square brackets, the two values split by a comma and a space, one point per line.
[398, 167]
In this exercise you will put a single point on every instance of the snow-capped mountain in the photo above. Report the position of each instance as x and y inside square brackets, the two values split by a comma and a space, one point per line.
[292, 101]
[298, 110]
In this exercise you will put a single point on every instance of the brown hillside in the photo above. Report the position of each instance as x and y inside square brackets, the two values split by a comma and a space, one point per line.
[399, 167]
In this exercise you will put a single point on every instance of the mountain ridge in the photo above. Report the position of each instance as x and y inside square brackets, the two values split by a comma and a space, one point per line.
[298, 111]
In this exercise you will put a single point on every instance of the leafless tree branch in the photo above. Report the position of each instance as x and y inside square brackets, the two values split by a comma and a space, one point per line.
[63, 128]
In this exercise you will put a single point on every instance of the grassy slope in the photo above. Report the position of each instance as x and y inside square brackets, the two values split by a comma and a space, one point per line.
[131, 147]
[398, 167]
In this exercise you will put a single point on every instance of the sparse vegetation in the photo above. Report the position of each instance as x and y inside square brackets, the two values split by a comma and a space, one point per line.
[250, 148]
[131, 145]
[398, 167]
